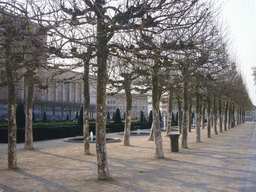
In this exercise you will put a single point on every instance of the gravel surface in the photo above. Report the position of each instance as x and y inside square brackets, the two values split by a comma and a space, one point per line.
[215, 164]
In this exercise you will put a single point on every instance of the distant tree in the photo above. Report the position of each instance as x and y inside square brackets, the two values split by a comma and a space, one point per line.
[33, 117]
[80, 119]
[77, 115]
[142, 118]
[108, 116]
[20, 115]
[67, 119]
[118, 117]
[114, 116]
[150, 119]
[172, 115]
[44, 117]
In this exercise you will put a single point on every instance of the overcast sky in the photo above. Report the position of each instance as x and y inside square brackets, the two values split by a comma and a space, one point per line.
[240, 16]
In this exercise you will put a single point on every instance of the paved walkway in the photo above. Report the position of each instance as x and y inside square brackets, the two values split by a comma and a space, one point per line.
[248, 179]
[225, 162]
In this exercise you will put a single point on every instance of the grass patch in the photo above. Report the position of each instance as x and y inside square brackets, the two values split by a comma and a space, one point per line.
[3, 124]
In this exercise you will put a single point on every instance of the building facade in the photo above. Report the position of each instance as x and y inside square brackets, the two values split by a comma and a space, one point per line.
[139, 103]
[60, 94]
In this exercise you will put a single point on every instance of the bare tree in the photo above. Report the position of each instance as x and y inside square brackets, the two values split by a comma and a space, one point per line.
[124, 74]
[108, 20]
[10, 27]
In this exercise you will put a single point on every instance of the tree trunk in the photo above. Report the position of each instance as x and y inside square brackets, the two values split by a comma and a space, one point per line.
[169, 116]
[197, 117]
[102, 54]
[208, 117]
[200, 113]
[29, 112]
[229, 116]
[215, 116]
[203, 116]
[239, 120]
[226, 117]
[238, 117]
[233, 116]
[12, 127]
[184, 117]
[152, 131]
[86, 107]
[241, 116]
[190, 116]
[220, 115]
[179, 115]
[155, 111]
[128, 117]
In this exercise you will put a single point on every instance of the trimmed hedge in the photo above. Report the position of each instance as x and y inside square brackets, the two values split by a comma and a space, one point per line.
[120, 127]
[61, 131]
[45, 132]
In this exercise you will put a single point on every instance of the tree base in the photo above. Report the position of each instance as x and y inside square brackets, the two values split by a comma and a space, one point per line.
[161, 157]
[29, 148]
[104, 178]
[13, 168]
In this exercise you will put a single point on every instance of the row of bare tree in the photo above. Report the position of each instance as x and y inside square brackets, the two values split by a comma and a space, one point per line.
[163, 48]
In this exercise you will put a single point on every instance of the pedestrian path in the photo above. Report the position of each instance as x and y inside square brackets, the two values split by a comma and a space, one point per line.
[248, 179]
[223, 163]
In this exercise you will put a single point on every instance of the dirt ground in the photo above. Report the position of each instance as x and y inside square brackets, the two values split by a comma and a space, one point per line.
[215, 164]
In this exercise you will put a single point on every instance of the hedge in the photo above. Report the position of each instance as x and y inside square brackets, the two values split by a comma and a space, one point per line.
[61, 131]
[45, 133]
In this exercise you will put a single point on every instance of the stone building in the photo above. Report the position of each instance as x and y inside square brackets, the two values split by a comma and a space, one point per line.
[58, 92]
[250, 115]
[140, 103]
[63, 95]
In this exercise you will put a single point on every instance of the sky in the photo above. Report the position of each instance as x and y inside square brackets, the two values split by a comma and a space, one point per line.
[240, 18]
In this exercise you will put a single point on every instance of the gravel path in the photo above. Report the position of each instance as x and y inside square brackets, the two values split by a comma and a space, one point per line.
[215, 164]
